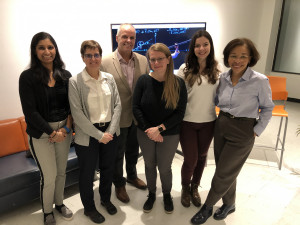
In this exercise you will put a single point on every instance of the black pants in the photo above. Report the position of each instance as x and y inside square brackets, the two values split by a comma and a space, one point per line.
[128, 146]
[233, 142]
[88, 157]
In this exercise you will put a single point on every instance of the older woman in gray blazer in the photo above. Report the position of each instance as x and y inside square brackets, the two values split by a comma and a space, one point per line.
[96, 108]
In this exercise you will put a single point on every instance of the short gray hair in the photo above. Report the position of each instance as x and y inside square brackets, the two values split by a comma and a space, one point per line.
[123, 25]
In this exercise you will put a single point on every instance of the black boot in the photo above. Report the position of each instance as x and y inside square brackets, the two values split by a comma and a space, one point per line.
[168, 202]
[149, 203]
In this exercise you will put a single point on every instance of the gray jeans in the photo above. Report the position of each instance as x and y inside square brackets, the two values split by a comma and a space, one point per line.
[51, 159]
[158, 155]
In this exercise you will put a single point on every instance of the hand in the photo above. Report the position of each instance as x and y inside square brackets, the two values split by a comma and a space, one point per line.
[62, 130]
[107, 137]
[159, 138]
[58, 137]
[152, 133]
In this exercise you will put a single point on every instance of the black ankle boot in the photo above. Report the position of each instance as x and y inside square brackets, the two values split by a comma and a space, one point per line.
[149, 203]
[204, 213]
[168, 202]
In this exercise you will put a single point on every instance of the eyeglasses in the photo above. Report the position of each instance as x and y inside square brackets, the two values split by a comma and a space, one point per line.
[159, 60]
[90, 56]
[241, 58]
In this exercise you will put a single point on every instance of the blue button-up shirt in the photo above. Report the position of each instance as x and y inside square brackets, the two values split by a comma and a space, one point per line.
[251, 97]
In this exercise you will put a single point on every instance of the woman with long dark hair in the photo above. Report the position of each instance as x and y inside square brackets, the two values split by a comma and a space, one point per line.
[201, 74]
[43, 92]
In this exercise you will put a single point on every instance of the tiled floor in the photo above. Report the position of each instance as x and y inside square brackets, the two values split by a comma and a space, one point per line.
[265, 195]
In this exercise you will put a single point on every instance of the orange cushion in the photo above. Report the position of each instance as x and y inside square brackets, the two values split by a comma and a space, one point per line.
[24, 126]
[11, 137]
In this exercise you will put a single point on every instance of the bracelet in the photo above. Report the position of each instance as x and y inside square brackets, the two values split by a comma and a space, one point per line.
[53, 135]
[67, 129]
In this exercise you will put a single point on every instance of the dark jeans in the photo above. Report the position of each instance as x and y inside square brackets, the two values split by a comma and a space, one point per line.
[128, 146]
[195, 139]
[88, 157]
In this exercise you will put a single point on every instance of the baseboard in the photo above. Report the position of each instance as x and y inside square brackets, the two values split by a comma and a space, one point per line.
[293, 100]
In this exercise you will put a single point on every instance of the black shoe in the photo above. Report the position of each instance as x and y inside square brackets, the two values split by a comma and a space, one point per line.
[95, 216]
[204, 213]
[110, 208]
[168, 202]
[221, 213]
[149, 203]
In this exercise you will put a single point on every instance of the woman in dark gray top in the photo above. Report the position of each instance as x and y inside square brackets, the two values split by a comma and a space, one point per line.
[159, 103]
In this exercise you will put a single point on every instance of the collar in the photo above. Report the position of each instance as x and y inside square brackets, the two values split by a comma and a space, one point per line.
[120, 58]
[246, 75]
[86, 77]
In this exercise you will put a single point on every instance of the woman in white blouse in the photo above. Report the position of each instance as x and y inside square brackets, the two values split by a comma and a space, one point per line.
[200, 73]
[96, 109]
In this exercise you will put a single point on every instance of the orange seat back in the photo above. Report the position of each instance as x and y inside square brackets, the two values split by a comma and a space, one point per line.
[278, 87]
[24, 126]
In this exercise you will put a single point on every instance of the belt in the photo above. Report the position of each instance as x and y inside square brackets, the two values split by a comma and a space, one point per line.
[234, 117]
[101, 124]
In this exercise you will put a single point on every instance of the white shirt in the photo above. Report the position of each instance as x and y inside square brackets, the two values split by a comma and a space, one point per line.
[99, 98]
[200, 106]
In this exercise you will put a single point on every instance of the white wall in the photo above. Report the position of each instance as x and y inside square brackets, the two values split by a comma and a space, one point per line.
[70, 22]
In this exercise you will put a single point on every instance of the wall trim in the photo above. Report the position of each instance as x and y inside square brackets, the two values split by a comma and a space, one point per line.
[293, 100]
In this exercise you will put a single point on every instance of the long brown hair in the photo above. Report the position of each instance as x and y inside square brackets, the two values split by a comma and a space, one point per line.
[171, 84]
[191, 71]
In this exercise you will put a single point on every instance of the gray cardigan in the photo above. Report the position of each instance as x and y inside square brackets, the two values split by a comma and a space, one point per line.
[78, 93]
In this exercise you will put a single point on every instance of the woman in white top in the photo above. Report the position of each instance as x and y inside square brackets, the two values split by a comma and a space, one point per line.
[200, 73]
[96, 108]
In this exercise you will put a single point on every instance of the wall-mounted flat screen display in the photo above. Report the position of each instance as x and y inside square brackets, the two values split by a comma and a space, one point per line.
[176, 36]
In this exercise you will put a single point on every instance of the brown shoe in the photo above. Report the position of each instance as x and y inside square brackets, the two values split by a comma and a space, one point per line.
[196, 200]
[186, 195]
[138, 183]
[122, 194]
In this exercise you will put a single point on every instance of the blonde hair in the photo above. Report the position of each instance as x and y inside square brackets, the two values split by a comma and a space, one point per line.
[171, 85]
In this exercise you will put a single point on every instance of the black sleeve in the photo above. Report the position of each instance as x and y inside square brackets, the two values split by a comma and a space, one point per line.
[136, 104]
[29, 104]
[178, 113]
[68, 75]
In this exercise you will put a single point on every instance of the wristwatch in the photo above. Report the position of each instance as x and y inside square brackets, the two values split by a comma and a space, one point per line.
[160, 129]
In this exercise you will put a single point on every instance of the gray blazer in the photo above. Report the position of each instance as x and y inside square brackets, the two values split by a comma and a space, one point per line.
[111, 64]
[78, 93]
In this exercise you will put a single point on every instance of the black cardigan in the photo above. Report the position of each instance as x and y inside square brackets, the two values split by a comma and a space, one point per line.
[34, 102]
